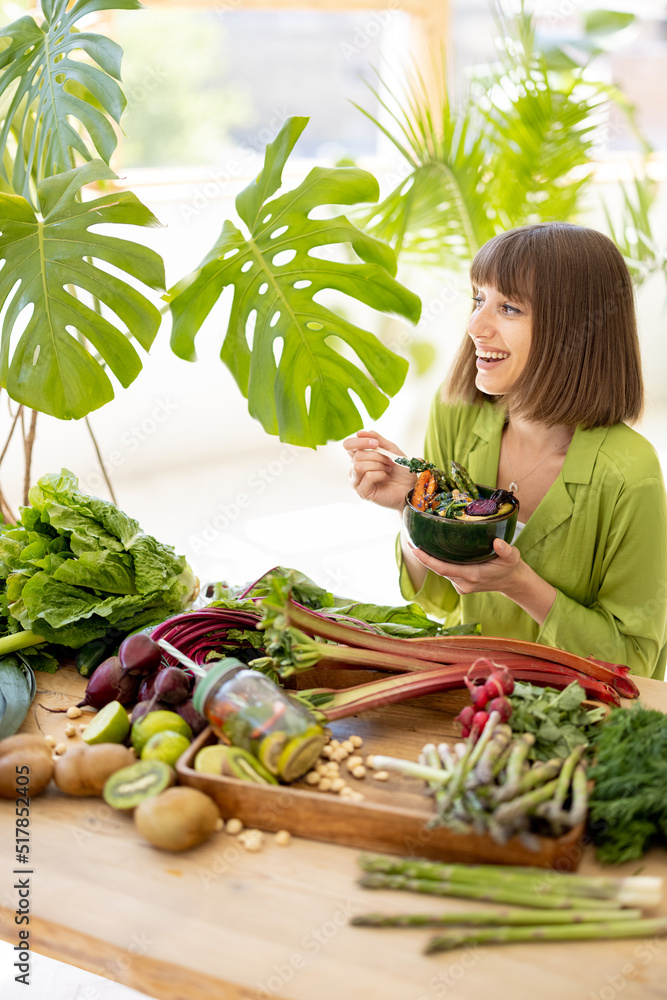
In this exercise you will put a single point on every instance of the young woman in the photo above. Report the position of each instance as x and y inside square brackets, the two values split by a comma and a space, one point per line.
[538, 402]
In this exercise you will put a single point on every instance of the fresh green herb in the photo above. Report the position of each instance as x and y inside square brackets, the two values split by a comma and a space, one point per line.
[557, 719]
[415, 465]
[628, 805]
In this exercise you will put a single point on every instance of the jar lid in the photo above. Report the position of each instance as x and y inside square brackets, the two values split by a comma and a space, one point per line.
[217, 670]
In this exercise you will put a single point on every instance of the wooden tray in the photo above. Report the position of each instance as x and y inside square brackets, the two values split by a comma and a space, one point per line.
[394, 815]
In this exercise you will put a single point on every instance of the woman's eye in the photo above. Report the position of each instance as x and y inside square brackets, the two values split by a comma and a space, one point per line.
[478, 300]
[511, 309]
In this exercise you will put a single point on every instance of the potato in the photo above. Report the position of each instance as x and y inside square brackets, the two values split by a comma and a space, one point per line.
[177, 819]
[17, 752]
[85, 769]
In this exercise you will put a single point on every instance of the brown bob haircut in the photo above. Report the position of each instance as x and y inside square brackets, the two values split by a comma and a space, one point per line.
[584, 365]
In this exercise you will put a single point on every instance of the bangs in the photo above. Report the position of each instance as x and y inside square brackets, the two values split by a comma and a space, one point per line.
[507, 262]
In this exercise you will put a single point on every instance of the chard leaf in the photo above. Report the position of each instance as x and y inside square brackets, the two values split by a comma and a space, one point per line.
[408, 621]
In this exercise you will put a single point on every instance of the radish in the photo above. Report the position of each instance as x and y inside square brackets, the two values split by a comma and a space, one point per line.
[502, 706]
[479, 720]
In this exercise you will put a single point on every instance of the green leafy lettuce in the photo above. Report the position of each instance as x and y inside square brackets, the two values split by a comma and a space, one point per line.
[76, 566]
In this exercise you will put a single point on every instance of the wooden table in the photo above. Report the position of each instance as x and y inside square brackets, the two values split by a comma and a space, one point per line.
[217, 923]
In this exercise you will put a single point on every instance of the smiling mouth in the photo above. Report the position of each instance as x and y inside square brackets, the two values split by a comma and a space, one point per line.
[491, 357]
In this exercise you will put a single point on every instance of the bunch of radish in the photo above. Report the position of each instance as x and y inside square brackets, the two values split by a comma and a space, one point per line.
[488, 694]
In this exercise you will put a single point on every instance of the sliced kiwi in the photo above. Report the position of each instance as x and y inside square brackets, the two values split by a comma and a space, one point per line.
[131, 785]
[299, 755]
[270, 749]
[238, 763]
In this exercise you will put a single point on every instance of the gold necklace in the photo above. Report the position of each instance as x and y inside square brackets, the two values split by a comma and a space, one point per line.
[514, 483]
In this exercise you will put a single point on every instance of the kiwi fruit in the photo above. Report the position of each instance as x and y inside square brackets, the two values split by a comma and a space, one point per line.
[177, 819]
[85, 770]
[131, 785]
[17, 752]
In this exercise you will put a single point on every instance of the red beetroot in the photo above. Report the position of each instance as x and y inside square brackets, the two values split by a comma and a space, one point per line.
[195, 720]
[147, 688]
[139, 654]
[143, 707]
[110, 682]
[172, 685]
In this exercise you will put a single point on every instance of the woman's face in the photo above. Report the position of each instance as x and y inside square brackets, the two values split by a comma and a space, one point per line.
[501, 330]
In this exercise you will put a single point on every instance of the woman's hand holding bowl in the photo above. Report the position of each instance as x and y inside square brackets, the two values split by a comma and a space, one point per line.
[504, 574]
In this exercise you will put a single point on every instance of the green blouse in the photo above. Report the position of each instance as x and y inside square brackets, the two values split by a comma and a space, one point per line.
[599, 536]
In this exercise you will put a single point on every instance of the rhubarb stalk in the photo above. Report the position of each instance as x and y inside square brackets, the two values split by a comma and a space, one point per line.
[533, 662]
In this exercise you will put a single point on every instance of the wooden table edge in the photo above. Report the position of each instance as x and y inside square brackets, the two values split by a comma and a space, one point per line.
[156, 978]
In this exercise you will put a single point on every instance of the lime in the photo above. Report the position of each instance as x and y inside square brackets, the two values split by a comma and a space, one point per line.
[166, 745]
[299, 755]
[110, 725]
[209, 759]
[270, 749]
[154, 722]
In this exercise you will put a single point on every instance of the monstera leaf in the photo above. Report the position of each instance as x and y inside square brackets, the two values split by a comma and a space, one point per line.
[44, 260]
[52, 87]
[277, 344]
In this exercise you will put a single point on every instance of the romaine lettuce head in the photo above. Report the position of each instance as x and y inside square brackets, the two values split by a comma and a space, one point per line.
[76, 566]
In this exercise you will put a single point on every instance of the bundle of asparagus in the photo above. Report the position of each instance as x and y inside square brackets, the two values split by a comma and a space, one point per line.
[555, 906]
[488, 786]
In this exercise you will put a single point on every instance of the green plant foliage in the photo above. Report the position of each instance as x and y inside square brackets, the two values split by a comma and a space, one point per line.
[501, 156]
[45, 259]
[52, 87]
[644, 252]
[276, 275]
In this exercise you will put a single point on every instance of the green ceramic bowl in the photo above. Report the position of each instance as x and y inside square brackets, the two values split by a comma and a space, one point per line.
[458, 541]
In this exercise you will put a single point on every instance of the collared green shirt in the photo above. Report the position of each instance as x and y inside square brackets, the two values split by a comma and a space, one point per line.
[599, 536]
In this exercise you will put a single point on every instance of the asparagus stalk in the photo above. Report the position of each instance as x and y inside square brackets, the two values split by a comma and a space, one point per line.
[508, 812]
[539, 774]
[465, 765]
[633, 890]
[499, 917]
[518, 756]
[555, 807]
[431, 758]
[579, 806]
[519, 896]
[435, 775]
[483, 773]
[449, 940]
